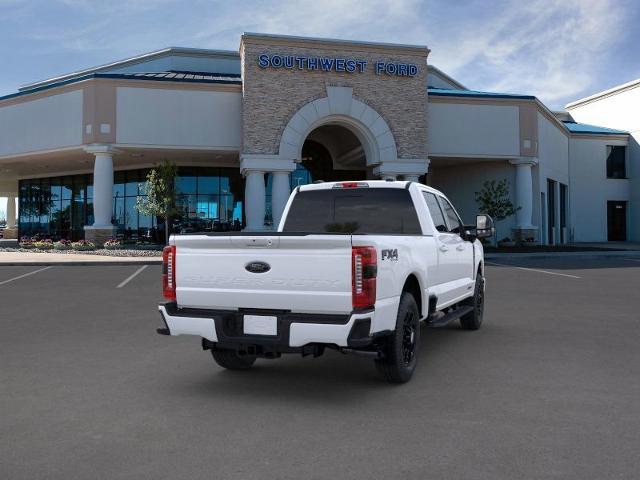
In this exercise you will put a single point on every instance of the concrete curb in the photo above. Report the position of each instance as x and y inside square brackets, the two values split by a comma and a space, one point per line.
[595, 254]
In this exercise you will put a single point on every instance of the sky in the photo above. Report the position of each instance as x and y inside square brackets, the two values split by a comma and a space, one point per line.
[558, 50]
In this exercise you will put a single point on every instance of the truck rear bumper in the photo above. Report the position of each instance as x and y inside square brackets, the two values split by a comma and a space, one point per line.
[294, 330]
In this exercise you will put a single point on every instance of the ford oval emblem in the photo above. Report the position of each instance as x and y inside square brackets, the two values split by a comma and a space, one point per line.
[257, 267]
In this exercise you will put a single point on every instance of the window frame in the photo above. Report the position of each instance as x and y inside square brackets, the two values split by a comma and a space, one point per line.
[444, 218]
[442, 199]
[625, 173]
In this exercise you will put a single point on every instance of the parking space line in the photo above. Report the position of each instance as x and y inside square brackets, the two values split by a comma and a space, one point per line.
[132, 276]
[25, 275]
[533, 270]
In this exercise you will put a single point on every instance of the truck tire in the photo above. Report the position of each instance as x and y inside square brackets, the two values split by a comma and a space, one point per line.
[473, 319]
[401, 349]
[230, 359]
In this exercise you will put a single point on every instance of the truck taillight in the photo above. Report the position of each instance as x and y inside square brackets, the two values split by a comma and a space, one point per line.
[363, 279]
[169, 272]
[351, 185]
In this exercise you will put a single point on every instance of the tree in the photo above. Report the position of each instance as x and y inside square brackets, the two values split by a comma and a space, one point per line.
[160, 199]
[493, 199]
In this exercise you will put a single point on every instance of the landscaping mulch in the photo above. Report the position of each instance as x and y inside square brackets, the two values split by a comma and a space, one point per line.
[103, 252]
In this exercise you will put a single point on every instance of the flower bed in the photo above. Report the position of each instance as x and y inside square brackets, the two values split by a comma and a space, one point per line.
[43, 244]
[113, 244]
[112, 247]
[62, 245]
[83, 245]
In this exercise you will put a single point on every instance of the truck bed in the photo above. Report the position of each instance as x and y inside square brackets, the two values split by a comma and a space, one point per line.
[306, 273]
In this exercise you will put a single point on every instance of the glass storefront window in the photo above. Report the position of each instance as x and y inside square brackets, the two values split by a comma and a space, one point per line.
[186, 184]
[59, 207]
[118, 184]
[67, 188]
[208, 185]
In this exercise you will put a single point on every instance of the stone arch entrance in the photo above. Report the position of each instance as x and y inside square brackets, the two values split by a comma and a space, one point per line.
[327, 124]
[332, 152]
[339, 108]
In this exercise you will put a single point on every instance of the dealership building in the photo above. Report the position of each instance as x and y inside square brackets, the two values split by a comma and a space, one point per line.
[246, 127]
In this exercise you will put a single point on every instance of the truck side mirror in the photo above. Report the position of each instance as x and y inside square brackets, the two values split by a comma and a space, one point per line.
[484, 226]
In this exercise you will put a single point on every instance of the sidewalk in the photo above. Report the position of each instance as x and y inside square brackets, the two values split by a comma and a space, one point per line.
[32, 258]
[616, 245]
[593, 253]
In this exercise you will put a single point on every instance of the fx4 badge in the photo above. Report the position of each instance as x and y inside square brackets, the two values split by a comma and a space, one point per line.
[390, 254]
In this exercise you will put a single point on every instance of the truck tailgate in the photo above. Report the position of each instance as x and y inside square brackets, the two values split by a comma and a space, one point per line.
[306, 273]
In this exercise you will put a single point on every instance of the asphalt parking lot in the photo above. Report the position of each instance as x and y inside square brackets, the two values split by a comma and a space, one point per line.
[548, 388]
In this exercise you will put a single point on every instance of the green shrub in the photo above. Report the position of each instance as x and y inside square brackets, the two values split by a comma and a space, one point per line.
[62, 245]
[83, 245]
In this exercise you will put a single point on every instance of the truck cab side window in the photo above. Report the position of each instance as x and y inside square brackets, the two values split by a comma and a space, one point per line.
[455, 225]
[436, 212]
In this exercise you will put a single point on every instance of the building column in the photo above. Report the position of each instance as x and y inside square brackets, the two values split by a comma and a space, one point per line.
[254, 167]
[280, 190]
[254, 199]
[11, 232]
[102, 228]
[409, 169]
[524, 198]
[11, 212]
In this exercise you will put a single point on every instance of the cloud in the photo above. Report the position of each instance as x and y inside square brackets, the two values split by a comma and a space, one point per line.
[555, 49]
[547, 48]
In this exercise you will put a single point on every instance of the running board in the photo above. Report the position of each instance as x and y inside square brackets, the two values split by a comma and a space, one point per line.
[440, 319]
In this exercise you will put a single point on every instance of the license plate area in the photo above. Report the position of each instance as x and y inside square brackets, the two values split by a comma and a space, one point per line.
[260, 325]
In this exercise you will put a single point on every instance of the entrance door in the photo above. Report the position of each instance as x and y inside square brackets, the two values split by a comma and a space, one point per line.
[563, 213]
[617, 221]
[543, 218]
[551, 211]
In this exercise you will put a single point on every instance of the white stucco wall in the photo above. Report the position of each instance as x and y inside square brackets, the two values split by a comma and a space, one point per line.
[190, 118]
[8, 186]
[464, 129]
[620, 110]
[462, 192]
[590, 189]
[553, 158]
[41, 124]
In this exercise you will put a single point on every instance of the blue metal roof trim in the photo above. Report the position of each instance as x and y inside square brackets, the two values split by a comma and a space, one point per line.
[228, 79]
[444, 92]
[575, 127]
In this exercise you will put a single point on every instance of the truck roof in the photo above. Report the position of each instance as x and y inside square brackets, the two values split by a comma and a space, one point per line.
[365, 184]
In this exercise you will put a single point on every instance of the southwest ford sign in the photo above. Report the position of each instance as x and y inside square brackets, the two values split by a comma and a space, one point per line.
[331, 64]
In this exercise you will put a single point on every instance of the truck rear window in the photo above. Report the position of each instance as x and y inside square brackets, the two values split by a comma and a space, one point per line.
[353, 210]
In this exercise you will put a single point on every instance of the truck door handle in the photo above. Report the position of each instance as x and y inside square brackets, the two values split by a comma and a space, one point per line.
[443, 248]
[460, 248]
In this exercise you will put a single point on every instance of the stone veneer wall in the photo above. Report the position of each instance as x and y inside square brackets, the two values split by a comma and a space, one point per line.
[271, 96]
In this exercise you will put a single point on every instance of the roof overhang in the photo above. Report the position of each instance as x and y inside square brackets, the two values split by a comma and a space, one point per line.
[145, 57]
[449, 78]
[605, 93]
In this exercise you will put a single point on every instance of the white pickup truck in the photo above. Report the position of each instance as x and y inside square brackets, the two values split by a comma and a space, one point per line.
[353, 266]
